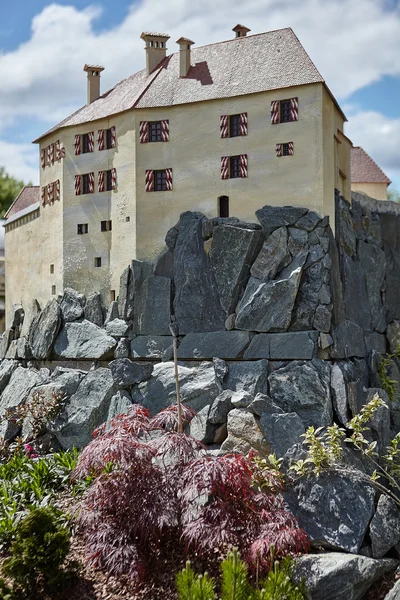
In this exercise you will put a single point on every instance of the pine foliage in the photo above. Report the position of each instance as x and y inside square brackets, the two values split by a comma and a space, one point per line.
[235, 584]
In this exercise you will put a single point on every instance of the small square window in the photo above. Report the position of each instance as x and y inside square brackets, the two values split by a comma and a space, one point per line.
[234, 167]
[160, 181]
[97, 261]
[127, 219]
[108, 176]
[285, 150]
[85, 143]
[234, 125]
[53, 290]
[83, 228]
[85, 183]
[51, 269]
[106, 226]
[285, 111]
[155, 131]
[108, 139]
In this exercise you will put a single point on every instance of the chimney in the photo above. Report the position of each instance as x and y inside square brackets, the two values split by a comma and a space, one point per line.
[93, 82]
[184, 55]
[241, 30]
[156, 49]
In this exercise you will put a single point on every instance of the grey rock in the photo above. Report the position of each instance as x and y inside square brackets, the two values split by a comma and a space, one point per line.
[172, 237]
[344, 227]
[23, 350]
[282, 431]
[16, 316]
[389, 229]
[244, 433]
[72, 305]
[84, 340]
[339, 394]
[230, 322]
[150, 346]
[125, 372]
[316, 253]
[308, 296]
[355, 292]
[198, 386]
[309, 222]
[220, 408]
[251, 376]
[334, 507]
[85, 410]
[117, 328]
[263, 404]
[200, 428]
[16, 393]
[393, 335]
[94, 311]
[123, 348]
[322, 319]
[113, 312]
[197, 306]
[391, 296]
[324, 295]
[384, 529]
[348, 340]
[233, 250]
[273, 217]
[120, 404]
[283, 346]
[373, 263]
[220, 367]
[394, 593]
[335, 281]
[31, 312]
[7, 368]
[273, 256]
[375, 341]
[325, 341]
[44, 330]
[298, 240]
[153, 306]
[221, 434]
[304, 388]
[12, 352]
[335, 576]
[241, 399]
[165, 265]
[221, 344]
[5, 342]
[131, 279]
[380, 422]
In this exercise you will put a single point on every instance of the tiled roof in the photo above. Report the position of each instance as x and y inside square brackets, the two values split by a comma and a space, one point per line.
[28, 195]
[245, 65]
[364, 169]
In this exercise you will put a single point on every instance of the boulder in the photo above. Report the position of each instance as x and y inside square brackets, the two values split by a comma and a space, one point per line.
[282, 431]
[5, 341]
[84, 340]
[150, 346]
[263, 404]
[394, 593]
[392, 298]
[16, 316]
[112, 313]
[273, 217]
[94, 311]
[200, 428]
[120, 404]
[125, 372]
[31, 312]
[384, 529]
[307, 300]
[336, 576]
[44, 330]
[375, 341]
[16, 393]
[348, 340]
[198, 386]
[273, 256]
[251, 376]
[244, 433]
[165, 265]
[373, 263]
[233, 250]
[345, 234]
[309, 222]
[23, 350]
[380, 421]
[355, 292]
[131, 279]
[72, 305]
[283, 346]
[304, 388]
[221, 344]
[7, 368]
[297, 241]
[153, 306]
[393, 335]
[117, 328]
[322, 319]
[220, 408]
[12, 352]
[339, 394]
[334, 507]
[241, 399]
[220, 368]
[123, 348]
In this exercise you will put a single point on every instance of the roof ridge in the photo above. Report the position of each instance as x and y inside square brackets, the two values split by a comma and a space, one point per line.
[16, 198]
[375, 164]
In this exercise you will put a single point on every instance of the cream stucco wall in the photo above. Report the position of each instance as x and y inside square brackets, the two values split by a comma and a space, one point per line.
[373, 190]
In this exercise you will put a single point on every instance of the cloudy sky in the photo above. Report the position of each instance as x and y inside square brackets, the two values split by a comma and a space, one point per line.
[43, 47]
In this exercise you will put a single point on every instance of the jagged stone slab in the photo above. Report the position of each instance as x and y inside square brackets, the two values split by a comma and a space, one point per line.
[16, 316]
[393, 336]
[72, 305]
[220, 408]
[373, 263]
[233, 250]
[7, 368]
[263, 404]
[94, 310]
[150, 346]
[392, 296]
[165, 265]
[375, 341]
[282, 431]
[283, 346]
[384, 529]
[118, 328]
[84, 340]
[221, 344]
[273, 256]
[309, 222]
[348, 340]
[123, 348]
[44, 330]
[244, 433]
[273, 217]
[307, 300]
[31, 312]
[125, 372]
[355, 293]
[5, 341]
[16, 393]
[251, 376]
[394, 593]
[153, 306]
[344, 227]
[120, 404]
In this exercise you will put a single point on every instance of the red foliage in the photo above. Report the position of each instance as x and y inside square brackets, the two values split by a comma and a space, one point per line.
[168, 418]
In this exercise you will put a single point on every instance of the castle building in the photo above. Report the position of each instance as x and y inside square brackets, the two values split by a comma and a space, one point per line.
[366, 176]
[223, 129]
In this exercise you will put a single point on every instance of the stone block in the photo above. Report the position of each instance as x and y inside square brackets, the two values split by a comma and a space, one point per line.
[273, 256]
[348, 340]
[251, 376]
[125, 372]
[283, 346]
[84, 340]
[150, 346]
[44, 330]
[94, 310]
[72, 305]
[373, 263]
[221, 344]
[153, 306]
[273, 217]
[282, 431]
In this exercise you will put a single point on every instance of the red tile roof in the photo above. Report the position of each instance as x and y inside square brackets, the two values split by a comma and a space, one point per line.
[364, 169]
[28, 195]
[245, 65]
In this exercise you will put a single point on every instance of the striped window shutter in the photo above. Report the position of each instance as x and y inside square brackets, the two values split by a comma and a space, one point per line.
[77, 144]
[91, 141]
[91, 183]
[294, 109]
[113, 137]
[144, 132]
[43, 158]
[225, 167]
[100, 139]
[243, 165]
[58, 190]
[168, 179]
[58, 153]
[113, 179]
[48, 151]
[43, 196]
[165, 130]
[101, 181]
[243, 124]
[50, 192]
[52, 153]
[275, 112]
[224, 126]
[78, 185]
[279, 149]
[291, 148]
[149, 180]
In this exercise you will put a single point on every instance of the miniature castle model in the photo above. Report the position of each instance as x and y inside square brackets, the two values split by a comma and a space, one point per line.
[366, 176]
[223, 129]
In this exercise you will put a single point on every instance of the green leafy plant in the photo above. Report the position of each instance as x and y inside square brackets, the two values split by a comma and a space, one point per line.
[194, 587]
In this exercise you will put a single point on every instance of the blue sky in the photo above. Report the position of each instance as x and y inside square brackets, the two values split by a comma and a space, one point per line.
[44, 45]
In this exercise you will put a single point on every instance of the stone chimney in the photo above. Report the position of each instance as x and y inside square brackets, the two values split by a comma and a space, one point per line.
[241, 30]
[93, 82]
[184, 55]
[156, 49]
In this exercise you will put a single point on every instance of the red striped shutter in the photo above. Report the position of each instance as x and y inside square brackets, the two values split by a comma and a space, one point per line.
[91, 183]
[77, 144]
[43, 158]
[144, 132]
[168, 179]
[113, 137]
[100, 139]
[91, 141]
[275, 112]
[243, 165]
[52, 154]
[101, 181]
[149, 180]
[48, 151]
[224, 126]
[50, 193]
[43, 196]
[113, 179]
[279, 149]
[165, 130]
[291, 148]
[243, 124]
[294, 109]
[78, 185]
[58, 190]
[225, 167]
[58, 153]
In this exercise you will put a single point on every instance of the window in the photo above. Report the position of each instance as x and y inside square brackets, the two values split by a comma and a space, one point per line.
[109, 139]
[53, 290]
[285, 106]
[127, 219]
[85, 143]
[223, 207]
[83, 228]
[285, 150]
[106, 226]
[51, 269]
[97, 261]
[108, 180]
[234, 126]
[234, 167]
[85, 183]
[155, 131]
[160, 181]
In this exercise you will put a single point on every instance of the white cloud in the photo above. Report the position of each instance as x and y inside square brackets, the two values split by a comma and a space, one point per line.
[20, 160]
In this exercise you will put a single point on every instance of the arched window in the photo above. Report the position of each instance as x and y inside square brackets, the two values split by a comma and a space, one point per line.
[223, 206]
